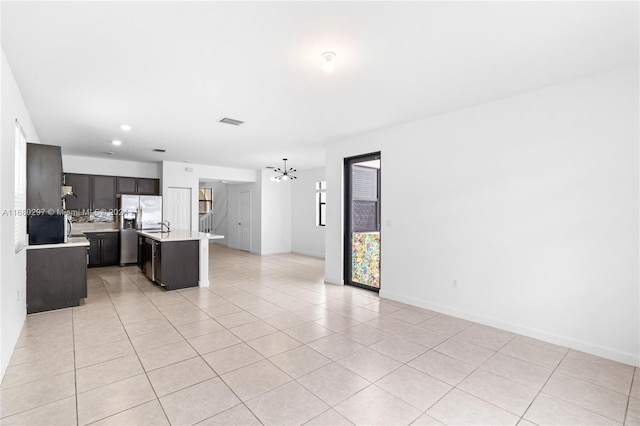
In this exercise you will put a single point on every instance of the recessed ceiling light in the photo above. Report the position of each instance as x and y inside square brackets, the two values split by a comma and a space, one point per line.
[328, 61]
[125, 127]
[159, 150]
[116, 142]
[223, 181]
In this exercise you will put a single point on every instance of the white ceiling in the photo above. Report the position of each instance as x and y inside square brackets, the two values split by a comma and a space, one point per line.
[172, 70]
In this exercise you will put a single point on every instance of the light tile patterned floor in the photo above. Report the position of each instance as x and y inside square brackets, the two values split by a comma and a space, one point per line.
[269, 343]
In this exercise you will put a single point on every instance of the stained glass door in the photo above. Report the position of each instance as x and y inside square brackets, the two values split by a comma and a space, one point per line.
[362, 221]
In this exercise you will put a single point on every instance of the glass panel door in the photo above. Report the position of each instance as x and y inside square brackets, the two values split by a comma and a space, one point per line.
[362, 221]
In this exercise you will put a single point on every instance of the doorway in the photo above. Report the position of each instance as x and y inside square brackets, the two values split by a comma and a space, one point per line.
[362, 221]
[244, 220]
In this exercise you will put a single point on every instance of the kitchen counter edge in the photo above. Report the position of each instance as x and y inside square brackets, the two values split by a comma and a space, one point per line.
[179, 235]
[72, 242]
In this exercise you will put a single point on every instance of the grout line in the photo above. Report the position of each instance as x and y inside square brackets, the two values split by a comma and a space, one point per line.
[136, 353]
[543, 385]
[75, 374]
[626, 409]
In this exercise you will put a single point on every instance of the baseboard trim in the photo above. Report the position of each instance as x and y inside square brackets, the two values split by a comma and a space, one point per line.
[309, 253]
[602, 351]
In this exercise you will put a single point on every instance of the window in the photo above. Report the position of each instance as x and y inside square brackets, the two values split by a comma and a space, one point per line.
[321, 203]
[365, 202]
[205, 200]
[20, 190]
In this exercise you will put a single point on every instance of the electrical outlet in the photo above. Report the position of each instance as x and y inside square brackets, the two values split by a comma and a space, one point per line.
[18, 295]
[454, 283]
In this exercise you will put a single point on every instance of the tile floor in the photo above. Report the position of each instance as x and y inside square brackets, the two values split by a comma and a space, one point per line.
[269, 343]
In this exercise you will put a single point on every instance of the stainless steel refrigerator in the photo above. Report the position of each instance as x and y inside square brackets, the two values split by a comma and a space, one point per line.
[137, 212]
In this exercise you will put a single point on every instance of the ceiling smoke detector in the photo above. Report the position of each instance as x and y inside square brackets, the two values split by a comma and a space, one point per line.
[232, 121]
[328, 61]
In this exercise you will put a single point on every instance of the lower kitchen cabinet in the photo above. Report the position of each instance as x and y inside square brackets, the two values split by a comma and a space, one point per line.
[172, 264]
[56, 278]
[103, 248]
[177, 264]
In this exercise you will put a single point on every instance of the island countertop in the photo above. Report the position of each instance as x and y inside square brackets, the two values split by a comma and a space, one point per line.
[179, 235]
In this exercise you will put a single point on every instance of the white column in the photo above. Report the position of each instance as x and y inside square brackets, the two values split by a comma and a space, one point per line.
[204, 263]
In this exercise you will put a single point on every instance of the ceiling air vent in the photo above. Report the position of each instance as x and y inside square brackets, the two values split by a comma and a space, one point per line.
[231, 121]
[159, 150]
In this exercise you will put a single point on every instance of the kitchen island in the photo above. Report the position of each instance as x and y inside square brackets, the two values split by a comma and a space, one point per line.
[175, 259]
[56, 275]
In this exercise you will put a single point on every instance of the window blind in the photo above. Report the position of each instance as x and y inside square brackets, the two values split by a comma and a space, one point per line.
[20, 190]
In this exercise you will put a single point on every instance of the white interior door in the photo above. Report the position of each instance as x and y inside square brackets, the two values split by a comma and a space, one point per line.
[244, 221]
[178, 207]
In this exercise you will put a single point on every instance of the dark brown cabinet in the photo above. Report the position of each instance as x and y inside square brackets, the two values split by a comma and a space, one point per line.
[92, 192]
[56, 278]
[127, 185]
[103, 192]
[80, 185]
[172, 264]
[103, 248]
[138, 186]
[44, 177]
[148, 186]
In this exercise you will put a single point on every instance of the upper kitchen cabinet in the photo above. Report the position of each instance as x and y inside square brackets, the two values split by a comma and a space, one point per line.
[93, 192]
[103, 192]
[127, 185]
[148, 186]
[138, 186]
[80, 186]
[44, 177]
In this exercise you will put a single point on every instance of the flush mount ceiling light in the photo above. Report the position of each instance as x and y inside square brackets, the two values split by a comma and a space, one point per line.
[125, 127]
[284, 173]
[116, 142]
[328, 61]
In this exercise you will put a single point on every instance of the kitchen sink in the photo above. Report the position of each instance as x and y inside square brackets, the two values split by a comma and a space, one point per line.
[157, 232]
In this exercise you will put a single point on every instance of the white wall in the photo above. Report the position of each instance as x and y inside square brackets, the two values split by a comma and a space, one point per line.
[186, 175]
[306, 237]
[529, 202]
[110, 167]
[13, 276]
[276, 215]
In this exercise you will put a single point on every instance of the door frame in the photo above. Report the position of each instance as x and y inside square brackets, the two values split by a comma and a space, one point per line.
[249, 216]
[347, 261]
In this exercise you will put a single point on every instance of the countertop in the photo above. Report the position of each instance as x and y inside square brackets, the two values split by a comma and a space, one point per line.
[72, 242]
[179, 235]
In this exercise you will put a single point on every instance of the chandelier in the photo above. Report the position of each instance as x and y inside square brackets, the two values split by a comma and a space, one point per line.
[283, 174]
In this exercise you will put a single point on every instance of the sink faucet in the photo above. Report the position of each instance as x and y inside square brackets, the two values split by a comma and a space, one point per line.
[167, 224]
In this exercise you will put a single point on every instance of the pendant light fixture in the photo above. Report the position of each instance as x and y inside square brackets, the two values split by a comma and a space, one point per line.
[283, 174]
